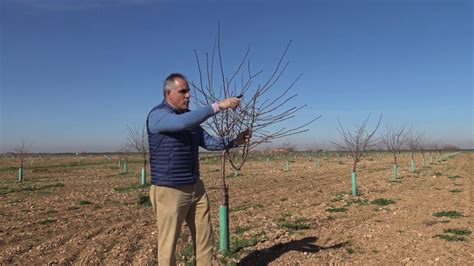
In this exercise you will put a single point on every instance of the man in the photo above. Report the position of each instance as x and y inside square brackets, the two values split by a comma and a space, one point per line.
[177, 193]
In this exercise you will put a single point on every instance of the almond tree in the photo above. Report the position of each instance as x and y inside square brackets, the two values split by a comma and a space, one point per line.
[137, 140]
[394, 139]
[123, 154]
[259, 111]
[437, 144]
[22, 152]
[436, 147]
[264, 109]
[414, 142]
[357, 142]
[424, 146]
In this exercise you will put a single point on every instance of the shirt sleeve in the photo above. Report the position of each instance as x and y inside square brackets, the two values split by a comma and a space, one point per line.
[160, 121]
[215, 107]
[212, 143]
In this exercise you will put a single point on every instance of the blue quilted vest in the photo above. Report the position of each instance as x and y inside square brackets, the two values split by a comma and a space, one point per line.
[173, 155]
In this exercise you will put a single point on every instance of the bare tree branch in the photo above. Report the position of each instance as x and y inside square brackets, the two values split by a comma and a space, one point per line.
[358, 141]
[22, 150]
[260, 111]
[414, 141]
[137, 140]
[394, 139]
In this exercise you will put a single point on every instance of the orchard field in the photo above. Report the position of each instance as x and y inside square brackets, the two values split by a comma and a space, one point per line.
[294, 209]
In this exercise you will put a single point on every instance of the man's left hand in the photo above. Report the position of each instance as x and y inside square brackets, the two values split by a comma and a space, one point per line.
[243, 137]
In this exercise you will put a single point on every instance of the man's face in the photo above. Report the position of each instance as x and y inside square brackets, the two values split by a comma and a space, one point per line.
[179, 96]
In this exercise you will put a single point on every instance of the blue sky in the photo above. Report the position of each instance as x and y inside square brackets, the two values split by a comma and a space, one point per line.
[75, 73]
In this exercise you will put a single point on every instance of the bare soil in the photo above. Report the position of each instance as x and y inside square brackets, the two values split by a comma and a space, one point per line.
[70, 210]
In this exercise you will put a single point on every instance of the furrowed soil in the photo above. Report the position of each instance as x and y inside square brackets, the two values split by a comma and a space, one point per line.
[71, 210]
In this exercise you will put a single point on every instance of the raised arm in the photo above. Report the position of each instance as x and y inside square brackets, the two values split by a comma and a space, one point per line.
[160, 121]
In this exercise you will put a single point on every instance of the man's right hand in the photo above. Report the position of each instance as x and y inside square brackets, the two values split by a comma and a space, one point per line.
[229, 103]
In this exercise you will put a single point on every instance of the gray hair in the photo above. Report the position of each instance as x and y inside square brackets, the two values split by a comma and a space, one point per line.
[169, 82]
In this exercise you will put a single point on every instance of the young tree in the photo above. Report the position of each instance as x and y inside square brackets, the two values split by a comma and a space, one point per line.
[436, 146]
[262, 109]
[22, 152]
[424, 146]
[357, 142]
[394, 139]
[123, 157]
[414, 142]
[137, 140]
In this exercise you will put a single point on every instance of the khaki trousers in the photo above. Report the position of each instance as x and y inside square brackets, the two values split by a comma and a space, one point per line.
[172, 206]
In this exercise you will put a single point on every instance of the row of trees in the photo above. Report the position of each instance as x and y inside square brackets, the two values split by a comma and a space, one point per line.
[359, 140]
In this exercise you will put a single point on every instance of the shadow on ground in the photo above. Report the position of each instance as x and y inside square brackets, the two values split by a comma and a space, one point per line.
[265, 256]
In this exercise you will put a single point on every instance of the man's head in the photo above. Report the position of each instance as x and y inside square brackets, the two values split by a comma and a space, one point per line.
[176, 91]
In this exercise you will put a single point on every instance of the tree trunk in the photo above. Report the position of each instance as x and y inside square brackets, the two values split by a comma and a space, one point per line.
[224, 187]
[224, 211]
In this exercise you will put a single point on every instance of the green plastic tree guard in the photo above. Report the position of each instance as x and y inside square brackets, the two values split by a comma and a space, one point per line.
[394, 171]
[125, 167]
[143, 178]
[412, 166]
[224, 229]
[354, 187]
[20, 174]
[286, 166]
[119, 164]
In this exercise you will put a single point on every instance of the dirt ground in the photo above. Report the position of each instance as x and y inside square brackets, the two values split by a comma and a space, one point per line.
[72, 210]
